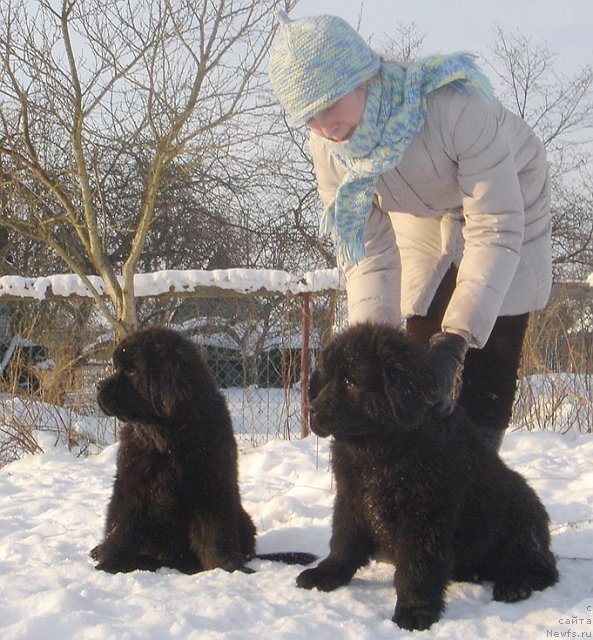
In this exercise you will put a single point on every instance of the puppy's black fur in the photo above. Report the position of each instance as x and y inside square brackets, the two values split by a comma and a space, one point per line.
[422, 492]
[175, 499]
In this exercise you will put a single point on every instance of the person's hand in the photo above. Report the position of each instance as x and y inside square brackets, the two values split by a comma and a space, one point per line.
[446, 353]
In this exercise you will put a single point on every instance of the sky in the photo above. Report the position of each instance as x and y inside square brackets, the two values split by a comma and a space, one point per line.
[453, 25]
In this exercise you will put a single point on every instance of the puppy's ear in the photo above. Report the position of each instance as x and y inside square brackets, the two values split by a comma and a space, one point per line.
[169, 379]
[408, 392]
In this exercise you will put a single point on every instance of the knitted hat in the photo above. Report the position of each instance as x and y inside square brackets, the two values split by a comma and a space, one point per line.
[315, 61]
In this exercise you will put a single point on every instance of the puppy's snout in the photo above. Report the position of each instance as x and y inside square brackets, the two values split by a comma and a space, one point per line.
[101, 384]
[316, 407]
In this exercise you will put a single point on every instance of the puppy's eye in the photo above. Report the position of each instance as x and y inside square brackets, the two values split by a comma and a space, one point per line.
[126, 369]
[349, 384]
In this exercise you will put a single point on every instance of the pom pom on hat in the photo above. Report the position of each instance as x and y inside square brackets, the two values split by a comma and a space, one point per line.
[315, 61]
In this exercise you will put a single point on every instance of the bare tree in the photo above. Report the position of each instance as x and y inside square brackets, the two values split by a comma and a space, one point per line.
[99, 101]
[292, 205]
[406, 43]
[560, 109]
[572, 230]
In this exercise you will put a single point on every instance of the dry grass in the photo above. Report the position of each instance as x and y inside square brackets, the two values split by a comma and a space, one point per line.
[556, 385]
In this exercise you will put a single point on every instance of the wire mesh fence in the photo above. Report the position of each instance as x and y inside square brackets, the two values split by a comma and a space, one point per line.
[252, 343]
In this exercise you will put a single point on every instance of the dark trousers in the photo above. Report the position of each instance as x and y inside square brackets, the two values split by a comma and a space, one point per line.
[490, 374]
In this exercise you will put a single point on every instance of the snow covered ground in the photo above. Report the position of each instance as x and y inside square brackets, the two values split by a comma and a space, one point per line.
[51, 513]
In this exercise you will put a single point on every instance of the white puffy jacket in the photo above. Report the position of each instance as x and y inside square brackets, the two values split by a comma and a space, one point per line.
[472, 189]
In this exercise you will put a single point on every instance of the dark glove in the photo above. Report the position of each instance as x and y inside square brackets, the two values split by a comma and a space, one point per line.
[446, 353]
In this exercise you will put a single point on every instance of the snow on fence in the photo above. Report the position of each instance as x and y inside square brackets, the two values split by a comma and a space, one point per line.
[178, 282]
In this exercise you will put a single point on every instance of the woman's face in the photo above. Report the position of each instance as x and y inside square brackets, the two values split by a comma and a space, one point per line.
[338, 121]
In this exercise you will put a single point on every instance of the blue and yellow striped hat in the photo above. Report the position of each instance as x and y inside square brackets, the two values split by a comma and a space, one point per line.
[315, 61]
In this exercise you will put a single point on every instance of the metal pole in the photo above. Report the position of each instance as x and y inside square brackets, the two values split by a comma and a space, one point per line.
[305, 299]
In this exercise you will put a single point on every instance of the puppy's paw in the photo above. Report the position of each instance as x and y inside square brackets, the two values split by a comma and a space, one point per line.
[516, 587]
[319, 579]
[96, 552]
[415, 617]
[232, 565]
[110, 562]
[511, 591]
[112, 566]
[230, 562]
[247, 570]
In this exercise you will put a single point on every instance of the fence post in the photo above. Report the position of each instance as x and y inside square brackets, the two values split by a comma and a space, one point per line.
[305, 299]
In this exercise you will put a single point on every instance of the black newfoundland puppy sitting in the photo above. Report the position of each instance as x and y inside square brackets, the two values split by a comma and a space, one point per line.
[175, 499]
[422, 492]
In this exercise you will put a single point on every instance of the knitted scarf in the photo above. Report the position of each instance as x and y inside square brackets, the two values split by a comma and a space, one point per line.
[395, 110]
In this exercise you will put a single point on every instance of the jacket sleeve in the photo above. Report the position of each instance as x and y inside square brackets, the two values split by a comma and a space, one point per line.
[493, 212]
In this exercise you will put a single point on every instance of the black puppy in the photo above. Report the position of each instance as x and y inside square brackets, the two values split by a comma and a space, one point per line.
[422, 492]
[175, 499]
